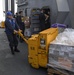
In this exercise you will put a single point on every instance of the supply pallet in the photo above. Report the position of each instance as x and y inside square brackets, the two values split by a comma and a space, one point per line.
[52, 71]
[55, 71]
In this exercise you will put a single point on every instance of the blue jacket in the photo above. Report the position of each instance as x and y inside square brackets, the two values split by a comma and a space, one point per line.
[10, 26]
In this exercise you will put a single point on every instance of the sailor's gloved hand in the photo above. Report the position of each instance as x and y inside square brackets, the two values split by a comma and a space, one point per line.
[20, 30]
[15, 32]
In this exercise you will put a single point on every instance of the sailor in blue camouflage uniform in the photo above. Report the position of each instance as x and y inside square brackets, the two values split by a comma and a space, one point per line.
[11, 27]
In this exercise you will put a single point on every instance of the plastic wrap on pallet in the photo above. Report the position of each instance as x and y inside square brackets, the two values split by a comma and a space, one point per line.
[65, 38]
[61, 57]
[61, 51]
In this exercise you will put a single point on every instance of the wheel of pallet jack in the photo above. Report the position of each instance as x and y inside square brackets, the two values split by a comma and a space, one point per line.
[33, 66]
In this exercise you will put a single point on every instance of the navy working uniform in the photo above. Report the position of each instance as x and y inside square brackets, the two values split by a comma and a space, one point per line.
[10, 26]
[42, 21]
[47, 23]
[21, 24]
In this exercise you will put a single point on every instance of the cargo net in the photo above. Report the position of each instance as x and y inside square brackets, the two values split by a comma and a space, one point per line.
[61, 52]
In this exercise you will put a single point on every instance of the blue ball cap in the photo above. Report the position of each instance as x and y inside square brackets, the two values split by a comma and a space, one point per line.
[9, 13]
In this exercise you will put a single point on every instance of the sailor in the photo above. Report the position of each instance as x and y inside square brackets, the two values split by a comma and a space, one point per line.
[11, 27]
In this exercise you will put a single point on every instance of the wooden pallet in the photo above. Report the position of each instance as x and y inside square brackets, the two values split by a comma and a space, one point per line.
[52, 71]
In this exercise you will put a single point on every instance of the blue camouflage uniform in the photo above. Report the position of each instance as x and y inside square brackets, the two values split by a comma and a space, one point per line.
[10, 26]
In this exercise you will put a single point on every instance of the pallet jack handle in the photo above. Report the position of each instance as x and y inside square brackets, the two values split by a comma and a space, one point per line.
[23, 37]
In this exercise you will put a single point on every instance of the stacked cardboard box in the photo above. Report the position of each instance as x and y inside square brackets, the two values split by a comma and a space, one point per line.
[62, 57]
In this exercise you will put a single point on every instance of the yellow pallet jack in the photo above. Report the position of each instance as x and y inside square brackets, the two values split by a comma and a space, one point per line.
[2, 25]
[38, 47]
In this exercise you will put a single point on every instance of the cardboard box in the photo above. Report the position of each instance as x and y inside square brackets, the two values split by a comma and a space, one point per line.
[61, 56]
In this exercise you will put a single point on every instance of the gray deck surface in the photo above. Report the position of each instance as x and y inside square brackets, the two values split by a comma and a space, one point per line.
[18, 64]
